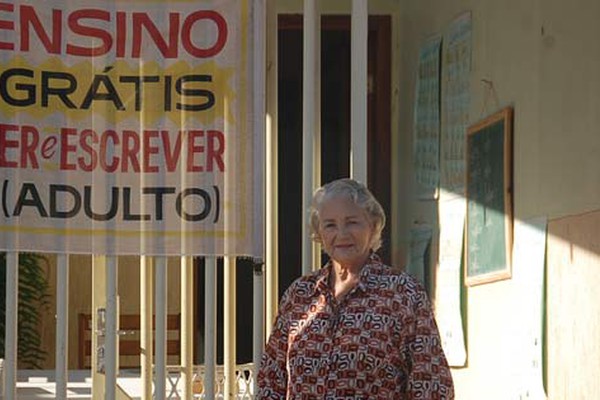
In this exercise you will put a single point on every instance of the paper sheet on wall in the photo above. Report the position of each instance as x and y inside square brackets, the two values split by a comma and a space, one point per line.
[448, 280]
[420, 239]
[426, 149]
[456, 69]
[528, 277]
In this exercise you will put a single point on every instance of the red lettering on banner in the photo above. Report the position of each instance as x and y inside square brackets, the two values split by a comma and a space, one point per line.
[29, 17]
[48, 147]
[28, 147]
[148, 151]
[66, 148]
[74, 23]
[28, 143]
[186, 37]
[194, 149]
[130, 152]
[110, 29]
[171, 157]
[141, 20]
[6, 25]
[121, 35]
[5, 144]
[216, 148]
[86, 135]
[114, 162]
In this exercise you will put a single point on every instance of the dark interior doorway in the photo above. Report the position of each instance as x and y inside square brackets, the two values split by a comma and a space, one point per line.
[335, 124]
[244, 311]
[335, 160]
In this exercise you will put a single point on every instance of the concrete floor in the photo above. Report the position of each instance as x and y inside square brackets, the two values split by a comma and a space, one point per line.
[41, 384]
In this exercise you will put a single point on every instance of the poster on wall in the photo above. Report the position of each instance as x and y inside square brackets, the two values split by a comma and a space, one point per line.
[526, 347]
[448, 309]
[125, 128]
[426, 149]
[456, 68]
[418, 258]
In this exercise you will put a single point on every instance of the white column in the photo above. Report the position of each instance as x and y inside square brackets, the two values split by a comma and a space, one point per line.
[210, 325]
[98, 326]
[311, 125]
[260, 50]
[62, 324]
[10, 338]
[160, 295]
[187, 324]
[146, 311]
[272, 189]
[110, 383]
[358, 95]
[229, 347]
[259, 28]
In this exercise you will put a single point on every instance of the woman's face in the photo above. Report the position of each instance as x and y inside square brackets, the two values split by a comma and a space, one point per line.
[346, 231]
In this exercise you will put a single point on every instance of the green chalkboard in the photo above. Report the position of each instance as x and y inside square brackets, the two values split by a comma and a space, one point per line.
[488, 230]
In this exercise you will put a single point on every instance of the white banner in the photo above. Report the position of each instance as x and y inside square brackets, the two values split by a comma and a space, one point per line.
[126, 128]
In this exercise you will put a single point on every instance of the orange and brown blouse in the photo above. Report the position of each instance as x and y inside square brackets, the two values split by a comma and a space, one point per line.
[379, 342]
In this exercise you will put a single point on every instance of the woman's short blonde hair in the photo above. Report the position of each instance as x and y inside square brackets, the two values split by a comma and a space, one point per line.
[359, 194]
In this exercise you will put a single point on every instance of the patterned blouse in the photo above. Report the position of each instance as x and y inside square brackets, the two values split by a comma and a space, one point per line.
[379, 342]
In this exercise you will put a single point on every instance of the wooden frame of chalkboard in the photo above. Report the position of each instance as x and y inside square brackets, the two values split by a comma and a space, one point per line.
[489, 223]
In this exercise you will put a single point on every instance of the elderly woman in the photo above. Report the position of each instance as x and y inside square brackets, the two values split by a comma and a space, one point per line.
[355, 329]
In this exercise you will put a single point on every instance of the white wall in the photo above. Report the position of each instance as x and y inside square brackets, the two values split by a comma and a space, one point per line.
[543, 59]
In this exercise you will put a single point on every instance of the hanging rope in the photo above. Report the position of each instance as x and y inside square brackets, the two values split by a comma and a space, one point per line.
[489, 92]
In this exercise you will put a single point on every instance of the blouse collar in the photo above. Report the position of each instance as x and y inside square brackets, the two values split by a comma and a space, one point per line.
[322, 282]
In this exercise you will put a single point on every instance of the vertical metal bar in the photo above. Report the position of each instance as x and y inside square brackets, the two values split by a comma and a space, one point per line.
[98, 338]
[259, 123]
[210, 324]
[311, 106]
[258, 326]
[272, 172]
[160, 296]
[260, 50]
[358, 94]
[187, 324]
[62, 324]
[10, 338]
[110, 383]
[146, 311]
[229, 348]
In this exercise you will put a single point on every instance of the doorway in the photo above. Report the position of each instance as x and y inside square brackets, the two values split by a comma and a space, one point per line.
[335, 124]
[335, 159]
